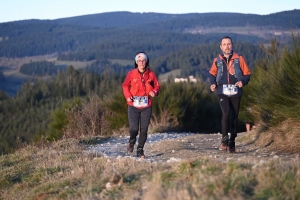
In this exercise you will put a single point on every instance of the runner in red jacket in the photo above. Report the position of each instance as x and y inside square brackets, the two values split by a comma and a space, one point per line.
[139, 87]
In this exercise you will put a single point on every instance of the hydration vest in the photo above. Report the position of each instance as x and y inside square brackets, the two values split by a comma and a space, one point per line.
[237, 69]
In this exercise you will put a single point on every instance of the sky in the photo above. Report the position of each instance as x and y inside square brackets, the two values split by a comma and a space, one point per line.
[14, 10]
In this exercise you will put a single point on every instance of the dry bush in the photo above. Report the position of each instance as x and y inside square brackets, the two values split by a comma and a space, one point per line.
[164, 121]
[88, 119]
[120, 131]
[284, 137]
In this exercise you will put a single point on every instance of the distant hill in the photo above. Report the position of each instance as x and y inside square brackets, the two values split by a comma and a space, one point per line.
[111, 35]
[191, 20]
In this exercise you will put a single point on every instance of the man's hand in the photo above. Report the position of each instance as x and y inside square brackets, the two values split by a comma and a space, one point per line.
[239, 84]
[213, 87]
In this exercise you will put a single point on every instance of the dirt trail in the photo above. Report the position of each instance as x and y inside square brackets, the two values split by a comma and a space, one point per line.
[207, 145]
[172, 148]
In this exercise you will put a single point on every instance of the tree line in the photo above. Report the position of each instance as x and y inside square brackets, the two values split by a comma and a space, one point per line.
[26, 116]
[41, 68]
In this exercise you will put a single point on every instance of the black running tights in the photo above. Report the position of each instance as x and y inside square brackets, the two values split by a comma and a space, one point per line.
[139, 119]
[230, 109]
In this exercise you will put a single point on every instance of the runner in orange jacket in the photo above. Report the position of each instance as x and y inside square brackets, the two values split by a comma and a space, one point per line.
[228, 74]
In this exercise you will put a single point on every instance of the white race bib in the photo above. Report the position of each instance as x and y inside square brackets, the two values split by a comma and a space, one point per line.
[229, 89]
[140, 102]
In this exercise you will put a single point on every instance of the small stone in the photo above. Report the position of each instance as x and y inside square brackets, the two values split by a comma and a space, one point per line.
[108, 186]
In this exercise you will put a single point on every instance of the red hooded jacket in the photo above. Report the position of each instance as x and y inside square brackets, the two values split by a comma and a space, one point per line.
[140, 84]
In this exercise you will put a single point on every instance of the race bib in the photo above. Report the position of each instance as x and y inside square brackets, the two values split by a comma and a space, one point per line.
[229, 89]
[140, 102]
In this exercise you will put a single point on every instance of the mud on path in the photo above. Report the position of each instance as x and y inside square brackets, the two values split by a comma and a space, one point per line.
[171, 147]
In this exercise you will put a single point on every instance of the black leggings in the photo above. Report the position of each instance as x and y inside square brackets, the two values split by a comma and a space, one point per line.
[139, 118]
[230, 110]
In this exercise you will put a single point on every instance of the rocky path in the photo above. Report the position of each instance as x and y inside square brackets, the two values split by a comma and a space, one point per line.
[172, 147]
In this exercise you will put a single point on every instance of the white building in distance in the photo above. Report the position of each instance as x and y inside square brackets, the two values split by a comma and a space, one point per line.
[191, 79]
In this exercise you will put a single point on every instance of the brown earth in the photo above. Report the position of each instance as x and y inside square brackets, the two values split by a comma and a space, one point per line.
[252, 146]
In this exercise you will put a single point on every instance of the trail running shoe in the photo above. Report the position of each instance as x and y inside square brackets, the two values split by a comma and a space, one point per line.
[140, 153]
[130, 146]
[231, 146]
[224, 144]
[223, 147]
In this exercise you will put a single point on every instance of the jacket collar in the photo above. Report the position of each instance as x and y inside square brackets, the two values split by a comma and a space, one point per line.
[232, 56]
[145, 72]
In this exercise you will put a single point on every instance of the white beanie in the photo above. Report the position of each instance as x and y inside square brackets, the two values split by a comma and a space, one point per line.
[141, 55]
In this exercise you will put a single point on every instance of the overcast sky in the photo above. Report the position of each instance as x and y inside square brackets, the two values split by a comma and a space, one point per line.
[13, 10]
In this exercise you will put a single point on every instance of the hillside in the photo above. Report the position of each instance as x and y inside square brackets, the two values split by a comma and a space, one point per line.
[183, 168]
[182, 21]
[157, 33]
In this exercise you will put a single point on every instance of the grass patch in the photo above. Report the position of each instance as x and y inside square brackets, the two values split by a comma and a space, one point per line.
[60, 170]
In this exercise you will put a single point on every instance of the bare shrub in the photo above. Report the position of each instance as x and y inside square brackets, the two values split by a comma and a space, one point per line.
[87, 119]
[120, 131]
[277, 138]
[164, 121]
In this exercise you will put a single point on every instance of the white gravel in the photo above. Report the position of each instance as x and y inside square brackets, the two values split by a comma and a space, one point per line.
[115, 147]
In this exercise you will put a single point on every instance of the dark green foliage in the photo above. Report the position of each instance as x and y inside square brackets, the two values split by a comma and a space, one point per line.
[92, 38]
[155, 44]
[117, 107]
[26, 116]
[197, 60]
[2, 77]
[99, 66]
[59, 119]
[41, 68]
[180, 107]
[193, 106]
[3, 96]
[272, 95]
[173, 22]
[191, 61]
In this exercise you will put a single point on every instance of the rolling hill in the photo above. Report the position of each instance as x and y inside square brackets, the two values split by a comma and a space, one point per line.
[119, 35]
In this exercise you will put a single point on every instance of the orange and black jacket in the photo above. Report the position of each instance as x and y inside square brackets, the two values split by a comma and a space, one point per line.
[140, 84]
[228, 76]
